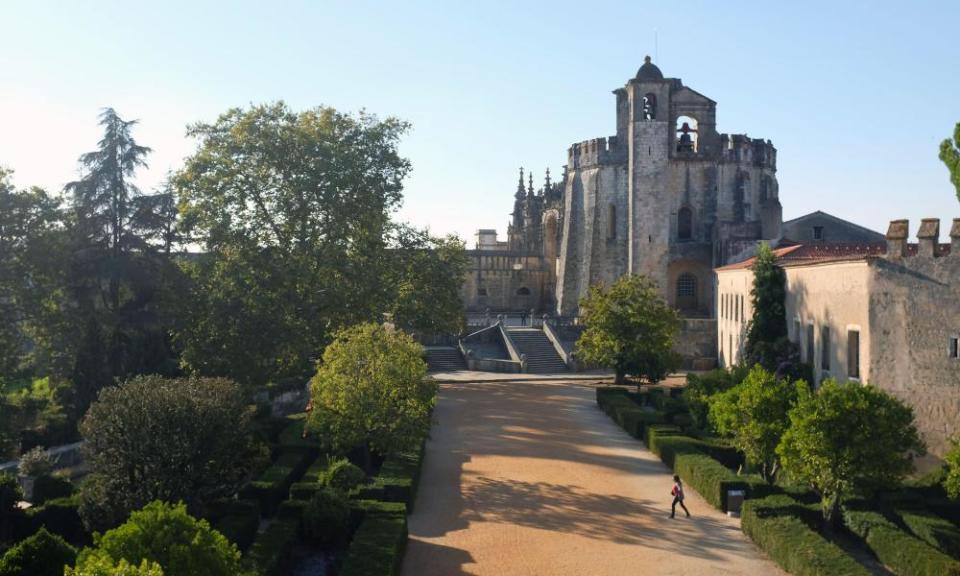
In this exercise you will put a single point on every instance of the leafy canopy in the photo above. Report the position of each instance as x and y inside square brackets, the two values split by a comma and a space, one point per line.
[849, 439]
[952, 460]
[152, 438]
[767, 343]
[102, 566]
[755, 414]
[950, 156]
[630, 328]
[371, 390]
[42, 554]
[165, 534]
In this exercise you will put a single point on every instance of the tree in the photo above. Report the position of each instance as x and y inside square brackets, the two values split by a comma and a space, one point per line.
[295, 208]
[427, 275]
[952, 461]
[101, 566]
[167, 535]
[42, 554]
[755, 413]
[630, 328]
[848, 439]
[371, 391]
[768, 326]
[152, 438]
[701, 388]
[950, 155]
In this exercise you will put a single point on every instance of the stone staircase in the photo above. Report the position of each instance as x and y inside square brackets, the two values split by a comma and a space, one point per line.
[542, 357]
[444, 359]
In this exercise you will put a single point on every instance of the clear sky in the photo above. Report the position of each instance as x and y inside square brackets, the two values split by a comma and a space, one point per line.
[856, 96]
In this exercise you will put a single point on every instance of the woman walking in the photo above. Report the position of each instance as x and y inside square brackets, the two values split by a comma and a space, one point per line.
[677, 493]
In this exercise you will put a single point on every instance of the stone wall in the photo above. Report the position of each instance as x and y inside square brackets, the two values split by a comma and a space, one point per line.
[496, 280]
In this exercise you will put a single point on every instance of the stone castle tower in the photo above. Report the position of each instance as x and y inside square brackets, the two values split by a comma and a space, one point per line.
[668, 197]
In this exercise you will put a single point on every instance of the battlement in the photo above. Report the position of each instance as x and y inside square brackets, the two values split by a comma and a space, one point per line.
[596, 152]
[928, 240]
[741, 149]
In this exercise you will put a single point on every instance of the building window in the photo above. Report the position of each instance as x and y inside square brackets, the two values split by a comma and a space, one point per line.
[809, 350]
[853, 354]
[742, 317]
[818, 232]
[481, 291]
[687, 291]
[650, 106]
[797, 336]
[825, 348]
[955, 347]
[686, 134]
[733, 357]
[685, 223]
[612, 222]
[524, 291]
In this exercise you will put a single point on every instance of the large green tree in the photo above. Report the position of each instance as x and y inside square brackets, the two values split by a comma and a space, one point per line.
[950, 155]
[150, 438]
[630, 328]
[163, 535]
[41, 554]
[755, 413]
[294, 212]
[849, 439]
[767, 329]
[371, 391]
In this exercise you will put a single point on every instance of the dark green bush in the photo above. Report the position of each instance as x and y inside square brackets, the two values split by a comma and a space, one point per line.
[270, 552]
[240, 522]
[274, 485]
[10, 515]
[636, 420]
[344, 475]
[326, 517]
[378, 545]
[48, 487]
[43, 554]
[61, 516]
[932, 529]
[655, 432]
[400, 475]
[708, 477]
[903, 553]
[304, 490]
[776, 525]
[668, 447]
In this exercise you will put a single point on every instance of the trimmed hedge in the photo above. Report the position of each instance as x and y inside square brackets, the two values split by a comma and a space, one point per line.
[708, 477]
[269, 554]
[240, 523]
[48, 487]
[777, 525]
[398, 478]
[378, 545]
[904, 554]
[274, 485]
[932, 529]
[60, 516]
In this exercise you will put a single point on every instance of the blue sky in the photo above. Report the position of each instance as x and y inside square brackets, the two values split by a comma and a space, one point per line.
[856, 96]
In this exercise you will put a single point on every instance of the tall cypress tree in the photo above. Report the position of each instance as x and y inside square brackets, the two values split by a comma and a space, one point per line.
[767, 331]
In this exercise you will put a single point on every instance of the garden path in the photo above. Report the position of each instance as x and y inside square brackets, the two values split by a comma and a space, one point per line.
[530, 478]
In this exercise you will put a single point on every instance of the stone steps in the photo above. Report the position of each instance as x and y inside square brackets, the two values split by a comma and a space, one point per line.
[445, 359]
[542, 357]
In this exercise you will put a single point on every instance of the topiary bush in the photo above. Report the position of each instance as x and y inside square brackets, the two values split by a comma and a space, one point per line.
[903, 553]
[708, 477]
[378, 545]
[43, 554]
[326, 517]
[932, 529]
[48, 487]
[60, 516]
[274, 485]
[343, 475]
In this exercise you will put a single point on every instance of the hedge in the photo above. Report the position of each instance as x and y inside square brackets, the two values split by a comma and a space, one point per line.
[655, 432]
[270, 551]
[47, 487]
[708, 477]
[240, 523]
[379, 542]
[776, 524]
[274, 485]
[932, 529]
[312, 480]
[903, 553]
[60, 516]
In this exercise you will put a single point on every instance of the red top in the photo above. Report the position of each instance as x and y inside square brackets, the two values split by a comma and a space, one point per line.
[677, 490]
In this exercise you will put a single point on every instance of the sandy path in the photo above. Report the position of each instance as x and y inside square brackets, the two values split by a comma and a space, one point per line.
[530, 478]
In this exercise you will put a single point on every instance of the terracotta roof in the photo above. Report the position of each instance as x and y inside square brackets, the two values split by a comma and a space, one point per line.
[820, 253]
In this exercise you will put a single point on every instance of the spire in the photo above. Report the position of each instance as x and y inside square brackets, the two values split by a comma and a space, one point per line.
[520, 190]
[530, 184]
[546, 182]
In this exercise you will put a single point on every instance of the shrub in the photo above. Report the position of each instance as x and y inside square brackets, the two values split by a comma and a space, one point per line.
[326, 517]
[43, 554]
[951, 481]
[400, 475]
[270, 551]
[166, 534]
[636, 420]
[101, 566]
[708, 477]
[904, 554]
[668, 447]
[344, 475]
[10, 495]
[240, 523]
[378, 545]
[273, 486]
[35, 462]
[60, 516]
[932, 529]
[48, 487]
[655, 432]
[777, 526]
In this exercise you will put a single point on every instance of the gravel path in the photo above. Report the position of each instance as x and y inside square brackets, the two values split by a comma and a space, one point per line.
[530, 478]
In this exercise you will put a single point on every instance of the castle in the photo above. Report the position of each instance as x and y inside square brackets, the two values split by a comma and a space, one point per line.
[667, 196]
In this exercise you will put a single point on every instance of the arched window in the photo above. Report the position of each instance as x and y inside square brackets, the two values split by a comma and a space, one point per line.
[650, 106]
[687, 140]
[687, 291]
[524, 291]
[612, 222]
[685, 223]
